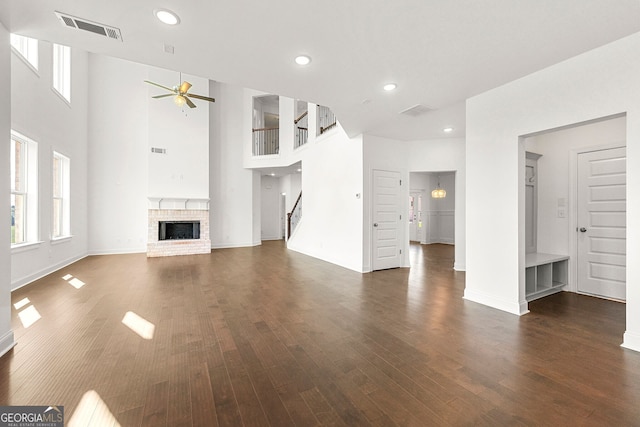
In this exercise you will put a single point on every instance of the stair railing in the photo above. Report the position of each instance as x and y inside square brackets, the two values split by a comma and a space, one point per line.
[293, 217]
[302, 131]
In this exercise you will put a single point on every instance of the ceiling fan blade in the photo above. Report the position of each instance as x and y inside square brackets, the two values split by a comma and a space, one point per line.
[163, 96]
[159, 85]
[184, 87]
[204, 98]
[189, 102]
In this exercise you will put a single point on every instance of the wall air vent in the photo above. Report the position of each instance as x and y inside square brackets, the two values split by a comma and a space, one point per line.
[416, 110]
[86, 25]
[158, 150]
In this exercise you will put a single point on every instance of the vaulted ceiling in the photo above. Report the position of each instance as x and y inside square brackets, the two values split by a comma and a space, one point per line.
[439, 53]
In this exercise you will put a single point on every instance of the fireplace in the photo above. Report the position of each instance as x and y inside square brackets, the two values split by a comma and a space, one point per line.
[178, 230]
[178, 227]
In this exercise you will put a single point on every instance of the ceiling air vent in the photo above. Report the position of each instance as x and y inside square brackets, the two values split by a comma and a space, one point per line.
[416, 110]
[86, 25]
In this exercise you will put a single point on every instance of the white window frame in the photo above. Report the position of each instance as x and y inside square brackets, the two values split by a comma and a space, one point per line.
[61, 221]
[28, 189]
[62, 71]
[27, 48]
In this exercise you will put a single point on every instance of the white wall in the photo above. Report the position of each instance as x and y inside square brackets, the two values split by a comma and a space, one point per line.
[389, 155]
[118, 155]
[183, 172]
[438, 155]
[599, 83]
[554, 175]
[6, 333]
[235, 192]
[123, 171]
[331, 225]
[270, 199]
[39, 113]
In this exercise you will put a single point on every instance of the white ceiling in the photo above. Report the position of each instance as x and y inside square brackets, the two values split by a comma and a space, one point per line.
[438, 52]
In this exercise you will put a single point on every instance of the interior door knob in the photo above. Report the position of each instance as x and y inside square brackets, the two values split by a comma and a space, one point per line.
[582, 229]
[375, 224]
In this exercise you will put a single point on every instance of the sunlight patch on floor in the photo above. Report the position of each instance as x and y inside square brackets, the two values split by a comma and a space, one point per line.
[76, 283]
[140, 326]
[73, 281]
[92, 412]
[29, 316]
[21, 303]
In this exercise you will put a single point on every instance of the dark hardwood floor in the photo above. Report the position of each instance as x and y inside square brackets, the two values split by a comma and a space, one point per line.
[264, 336]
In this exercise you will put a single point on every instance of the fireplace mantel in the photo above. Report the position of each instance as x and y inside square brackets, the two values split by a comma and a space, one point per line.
[176, 203]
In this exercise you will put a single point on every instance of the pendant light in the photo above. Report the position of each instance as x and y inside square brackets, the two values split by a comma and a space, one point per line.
[439, 192]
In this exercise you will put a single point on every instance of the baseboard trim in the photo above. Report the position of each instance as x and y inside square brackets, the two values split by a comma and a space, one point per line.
[631, 341]
[517, 308]
[234, 245]
[459, 267]
[24, 281]
[118, 251]
[7, 342]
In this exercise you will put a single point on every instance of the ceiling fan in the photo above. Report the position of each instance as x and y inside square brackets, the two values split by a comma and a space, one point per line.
[181, 93]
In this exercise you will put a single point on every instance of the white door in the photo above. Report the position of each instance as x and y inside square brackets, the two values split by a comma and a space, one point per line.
[602, 223]
[386, 220]
[415, 217]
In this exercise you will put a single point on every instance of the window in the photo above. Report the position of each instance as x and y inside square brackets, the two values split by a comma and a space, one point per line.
[24, 196]
[27, 48]
[61, 189]
[62, 70]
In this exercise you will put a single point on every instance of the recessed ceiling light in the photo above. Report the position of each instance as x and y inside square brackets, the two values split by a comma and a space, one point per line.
[167, 16]
[303, 60]
[389, 86]
[447, 130]
[298, 170]
[272, 174]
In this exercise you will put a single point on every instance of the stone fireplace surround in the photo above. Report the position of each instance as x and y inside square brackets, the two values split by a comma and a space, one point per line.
[174, 209]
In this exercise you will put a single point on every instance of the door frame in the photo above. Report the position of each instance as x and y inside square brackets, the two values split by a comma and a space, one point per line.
[573, 204]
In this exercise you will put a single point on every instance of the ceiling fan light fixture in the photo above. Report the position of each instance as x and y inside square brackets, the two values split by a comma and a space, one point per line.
[179, 100]
[166, 16]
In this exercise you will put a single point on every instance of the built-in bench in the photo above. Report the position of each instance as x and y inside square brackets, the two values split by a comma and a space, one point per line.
[545, 274]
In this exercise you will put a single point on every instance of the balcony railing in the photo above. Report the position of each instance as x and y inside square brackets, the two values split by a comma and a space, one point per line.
[326, 119]
[266, 141]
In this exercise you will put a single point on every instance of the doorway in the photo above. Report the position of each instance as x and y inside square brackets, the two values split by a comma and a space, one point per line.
[580, 182]
[433, 219]
[415, 216]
